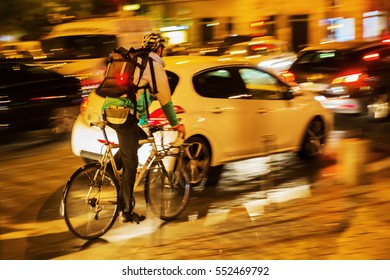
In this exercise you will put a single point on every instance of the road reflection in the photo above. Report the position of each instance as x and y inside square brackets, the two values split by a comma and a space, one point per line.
[255, 183]
[251, 190]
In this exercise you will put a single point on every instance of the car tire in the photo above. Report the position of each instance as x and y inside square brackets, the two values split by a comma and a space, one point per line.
[313, 140]
[197, 158]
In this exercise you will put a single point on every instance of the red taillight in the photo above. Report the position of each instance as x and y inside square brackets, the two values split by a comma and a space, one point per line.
[104, 142]
[157, 117]
[84, 105]
[90, 82]
[287, 76]
[351, 78]
[347, 106]
[371, 57]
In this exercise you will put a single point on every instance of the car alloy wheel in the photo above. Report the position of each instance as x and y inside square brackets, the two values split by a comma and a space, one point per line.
[197, 159]
[314, 139]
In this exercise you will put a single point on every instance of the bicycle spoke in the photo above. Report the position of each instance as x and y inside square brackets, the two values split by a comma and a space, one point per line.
[90, 206]
[166, 194]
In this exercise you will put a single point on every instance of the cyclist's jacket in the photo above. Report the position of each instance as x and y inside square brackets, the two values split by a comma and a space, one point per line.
[163, 95]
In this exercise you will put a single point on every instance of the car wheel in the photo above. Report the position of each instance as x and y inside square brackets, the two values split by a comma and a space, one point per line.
[197, 158]
[313, 140]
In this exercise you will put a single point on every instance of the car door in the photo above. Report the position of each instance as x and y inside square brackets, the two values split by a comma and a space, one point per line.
[278, 118]
[228, 114]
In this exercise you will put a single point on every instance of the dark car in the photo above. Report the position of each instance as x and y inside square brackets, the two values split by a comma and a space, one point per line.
[32, 98]
[349, 76]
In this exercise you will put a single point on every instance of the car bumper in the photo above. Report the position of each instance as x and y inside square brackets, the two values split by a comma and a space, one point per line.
[342, 105]
[379, 111]
[84, 141]
[340, 100]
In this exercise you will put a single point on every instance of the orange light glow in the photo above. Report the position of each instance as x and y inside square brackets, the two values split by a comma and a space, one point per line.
[347, 79]
[288, 76]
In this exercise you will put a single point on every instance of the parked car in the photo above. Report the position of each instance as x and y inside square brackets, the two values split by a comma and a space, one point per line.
[267, 52]
[231, 110]
[349, 75]
[32, 98]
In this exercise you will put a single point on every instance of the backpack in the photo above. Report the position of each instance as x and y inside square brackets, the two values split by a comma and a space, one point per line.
[119, 75]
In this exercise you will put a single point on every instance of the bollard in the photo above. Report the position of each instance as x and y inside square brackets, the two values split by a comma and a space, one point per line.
[351, 158]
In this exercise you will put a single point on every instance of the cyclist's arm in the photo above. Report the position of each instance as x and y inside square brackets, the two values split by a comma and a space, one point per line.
[164, 93]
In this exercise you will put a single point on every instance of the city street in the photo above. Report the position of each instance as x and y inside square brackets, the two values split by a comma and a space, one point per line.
[277, 208]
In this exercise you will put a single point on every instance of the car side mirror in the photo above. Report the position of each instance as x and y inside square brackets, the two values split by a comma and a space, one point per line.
[291, 93]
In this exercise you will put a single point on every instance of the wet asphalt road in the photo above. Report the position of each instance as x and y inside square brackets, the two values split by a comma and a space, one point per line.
[34, 172]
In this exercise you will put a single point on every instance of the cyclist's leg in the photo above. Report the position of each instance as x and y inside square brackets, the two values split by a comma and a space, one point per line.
[128, 136]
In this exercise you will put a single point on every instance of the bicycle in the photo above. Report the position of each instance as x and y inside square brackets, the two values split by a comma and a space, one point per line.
[89, 203]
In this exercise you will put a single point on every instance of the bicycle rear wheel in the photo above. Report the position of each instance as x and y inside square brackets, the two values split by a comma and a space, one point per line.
[90, 202]
[166, 193]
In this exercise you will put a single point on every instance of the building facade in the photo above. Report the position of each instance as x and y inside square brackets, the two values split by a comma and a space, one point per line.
[300, 22]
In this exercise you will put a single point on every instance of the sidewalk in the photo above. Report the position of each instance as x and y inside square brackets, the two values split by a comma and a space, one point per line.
[327, 221]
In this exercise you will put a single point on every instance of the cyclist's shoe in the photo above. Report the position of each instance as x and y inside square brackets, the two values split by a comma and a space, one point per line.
[131, 217]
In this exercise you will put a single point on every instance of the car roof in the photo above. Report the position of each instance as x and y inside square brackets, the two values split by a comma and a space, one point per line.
[196, 64]
[347, 45]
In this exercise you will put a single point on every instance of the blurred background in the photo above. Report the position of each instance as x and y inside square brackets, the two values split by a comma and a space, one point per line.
[300, 22]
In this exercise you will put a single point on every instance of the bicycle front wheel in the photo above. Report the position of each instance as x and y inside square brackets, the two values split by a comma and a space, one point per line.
[90, 200]
[166, 192]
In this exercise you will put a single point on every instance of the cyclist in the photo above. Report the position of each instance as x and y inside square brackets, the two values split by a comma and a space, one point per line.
[129, 132]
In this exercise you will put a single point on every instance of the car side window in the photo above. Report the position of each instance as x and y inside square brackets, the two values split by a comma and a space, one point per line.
[218, 83]
[261, 85]
[173, 80]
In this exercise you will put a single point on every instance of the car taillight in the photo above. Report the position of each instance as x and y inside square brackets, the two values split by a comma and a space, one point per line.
[90, 81]
[371, 57]
[351, 78]
[84, 105]
[287, 76]
[157, 117]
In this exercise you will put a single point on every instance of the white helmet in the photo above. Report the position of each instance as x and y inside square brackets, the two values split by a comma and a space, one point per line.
[153, 41]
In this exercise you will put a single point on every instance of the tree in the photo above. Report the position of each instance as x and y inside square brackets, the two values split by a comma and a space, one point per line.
[31, 17]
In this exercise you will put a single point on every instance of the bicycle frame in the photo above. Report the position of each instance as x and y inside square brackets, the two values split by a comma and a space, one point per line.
[155, 154]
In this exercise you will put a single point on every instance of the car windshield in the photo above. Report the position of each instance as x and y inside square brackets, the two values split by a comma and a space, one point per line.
[78, 47]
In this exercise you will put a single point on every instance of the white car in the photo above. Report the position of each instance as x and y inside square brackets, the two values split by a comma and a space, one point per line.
[232, 110]
[266, 51]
